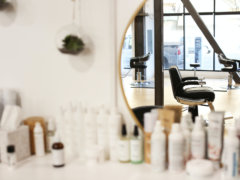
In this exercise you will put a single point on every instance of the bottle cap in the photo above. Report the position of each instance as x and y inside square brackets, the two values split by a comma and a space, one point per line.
[198, 123]
[10, 148]
[124, 130]
[135, 131]
[231, 132]
[51, 125]
[148, 122]
[175, 128]
[158, 127]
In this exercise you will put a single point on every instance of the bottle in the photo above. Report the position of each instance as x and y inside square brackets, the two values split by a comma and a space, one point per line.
[79, 131]
[176, 149]
[198, 140]
[158, 148]
[186, 130]
[114, 129]
[102, 131]
[39, 140]
[50, 134]
[11, 156]
[90, 127]
[148, 129]
[58, 153]
[123, 146]
[237, 125]
[136, 147]
[231, 154]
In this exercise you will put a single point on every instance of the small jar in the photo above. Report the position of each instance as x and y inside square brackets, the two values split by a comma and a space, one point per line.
[11, 155]
[58, 153]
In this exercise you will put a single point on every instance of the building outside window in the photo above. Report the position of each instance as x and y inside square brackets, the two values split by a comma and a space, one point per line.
[184, 43]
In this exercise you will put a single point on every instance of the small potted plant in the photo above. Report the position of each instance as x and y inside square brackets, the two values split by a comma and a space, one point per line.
[3, 3]
[72, 44]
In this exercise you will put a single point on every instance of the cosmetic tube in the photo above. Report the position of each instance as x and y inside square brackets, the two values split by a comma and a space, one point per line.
[231, 154]
[215, 137]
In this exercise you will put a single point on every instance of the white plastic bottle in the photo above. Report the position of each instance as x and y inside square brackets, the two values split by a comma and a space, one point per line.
[39, 140]
[90, 127]
[102, 131]
[114, 129]
[186, 130]
[50, 134]
[136, 147]
[158, 148]
[79, 131]
[198, 144]
[231, 154]
[176, 149]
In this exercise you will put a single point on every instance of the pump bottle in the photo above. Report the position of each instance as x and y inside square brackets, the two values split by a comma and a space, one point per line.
[176, 149]
[186, 130]
[158, 148]
[198, 140]
[39, 140]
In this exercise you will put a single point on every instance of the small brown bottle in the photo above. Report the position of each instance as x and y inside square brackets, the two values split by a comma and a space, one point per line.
[58, 153]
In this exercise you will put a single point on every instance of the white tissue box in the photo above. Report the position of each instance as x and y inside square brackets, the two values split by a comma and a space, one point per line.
[20, 139]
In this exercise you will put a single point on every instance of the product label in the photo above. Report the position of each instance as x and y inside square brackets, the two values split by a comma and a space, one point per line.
[136, 150]
[176, 148]
[158, 154]
[58, 157]
[39, 144]
[123, 150]
[214, 139]
[198, 147]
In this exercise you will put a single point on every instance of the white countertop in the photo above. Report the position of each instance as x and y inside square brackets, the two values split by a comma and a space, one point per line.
[41, 169]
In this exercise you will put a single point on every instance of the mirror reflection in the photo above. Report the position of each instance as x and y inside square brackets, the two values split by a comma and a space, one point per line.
[186, 47]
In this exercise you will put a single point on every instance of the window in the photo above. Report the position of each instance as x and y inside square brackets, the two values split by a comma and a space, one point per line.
[184, 42]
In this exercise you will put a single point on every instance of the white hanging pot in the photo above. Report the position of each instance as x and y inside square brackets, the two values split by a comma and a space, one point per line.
[69, 39]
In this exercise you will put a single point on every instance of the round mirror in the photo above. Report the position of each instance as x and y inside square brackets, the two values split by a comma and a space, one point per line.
[136, 63]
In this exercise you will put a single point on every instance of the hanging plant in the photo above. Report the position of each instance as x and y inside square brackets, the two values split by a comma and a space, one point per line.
[72, 44]
[69, 38]
[3, 3]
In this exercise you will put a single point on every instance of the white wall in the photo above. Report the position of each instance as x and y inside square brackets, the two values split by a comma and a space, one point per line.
[45, 78]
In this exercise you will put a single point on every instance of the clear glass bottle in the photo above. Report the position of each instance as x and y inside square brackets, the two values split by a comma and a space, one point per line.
[123, 146]
[136, 147]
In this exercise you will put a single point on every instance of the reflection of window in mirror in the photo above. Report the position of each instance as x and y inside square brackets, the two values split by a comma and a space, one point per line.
[138, 44]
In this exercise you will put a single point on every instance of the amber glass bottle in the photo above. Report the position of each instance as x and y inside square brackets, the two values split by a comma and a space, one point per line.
[58, 153]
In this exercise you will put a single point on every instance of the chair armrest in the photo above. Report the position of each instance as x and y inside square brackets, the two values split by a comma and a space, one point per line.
[186, 83]
[189, 78]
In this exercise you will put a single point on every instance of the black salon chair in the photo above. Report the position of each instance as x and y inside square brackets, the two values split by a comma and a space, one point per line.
[191, 96]
[231, 66]
[138, 63]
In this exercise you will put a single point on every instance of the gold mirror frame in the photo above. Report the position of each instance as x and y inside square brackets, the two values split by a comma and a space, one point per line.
[119, 63]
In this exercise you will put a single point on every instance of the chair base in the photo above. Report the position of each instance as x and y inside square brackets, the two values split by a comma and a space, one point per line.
[194, 111]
